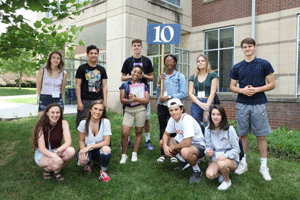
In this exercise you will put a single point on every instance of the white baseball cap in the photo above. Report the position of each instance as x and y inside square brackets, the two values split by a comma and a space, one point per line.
[174, 102]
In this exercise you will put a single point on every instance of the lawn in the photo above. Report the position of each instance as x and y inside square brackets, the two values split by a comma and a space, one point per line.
[11, 91]
[21, 178]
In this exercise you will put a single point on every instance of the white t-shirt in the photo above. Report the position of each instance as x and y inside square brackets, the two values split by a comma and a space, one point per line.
[105, 129]
[185, 128]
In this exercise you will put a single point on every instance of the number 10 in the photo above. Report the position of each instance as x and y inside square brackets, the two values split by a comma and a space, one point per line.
[161, 34]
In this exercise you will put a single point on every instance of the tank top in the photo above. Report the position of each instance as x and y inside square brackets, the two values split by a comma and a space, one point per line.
[51, 85]
[53, 135]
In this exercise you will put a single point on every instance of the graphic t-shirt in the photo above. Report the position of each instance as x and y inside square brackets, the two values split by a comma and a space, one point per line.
[142, 61]
[91, 85]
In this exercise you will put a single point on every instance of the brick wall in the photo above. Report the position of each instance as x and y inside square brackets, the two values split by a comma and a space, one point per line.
[224, 10]
[279, 113]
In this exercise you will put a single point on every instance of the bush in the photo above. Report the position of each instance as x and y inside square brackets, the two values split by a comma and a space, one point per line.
[284, 142]
[2, 82]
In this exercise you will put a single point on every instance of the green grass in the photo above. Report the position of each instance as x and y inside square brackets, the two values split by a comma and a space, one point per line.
[26, 100]
[21, 178]
[11, 91]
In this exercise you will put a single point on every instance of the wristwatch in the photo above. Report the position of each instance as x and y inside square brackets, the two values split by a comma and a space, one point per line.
[169, 97]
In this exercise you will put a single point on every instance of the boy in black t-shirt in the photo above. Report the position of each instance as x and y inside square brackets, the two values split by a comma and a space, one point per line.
[139, 59]
[91, 83]
[251, 114]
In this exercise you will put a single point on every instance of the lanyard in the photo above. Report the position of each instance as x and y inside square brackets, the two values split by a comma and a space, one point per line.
[49, 144]
[203, 86]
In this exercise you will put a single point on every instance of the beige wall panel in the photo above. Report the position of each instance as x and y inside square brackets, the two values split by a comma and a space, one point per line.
[115, 27]
[114, 4]
[287, 85]
[137, 27]
[288, 12]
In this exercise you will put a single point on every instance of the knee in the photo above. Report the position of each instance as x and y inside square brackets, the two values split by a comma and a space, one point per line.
[160, 144]
[185, 153]
[261, 138]
[105, 150]
[209, 175]
[70, 152]
[222, 165]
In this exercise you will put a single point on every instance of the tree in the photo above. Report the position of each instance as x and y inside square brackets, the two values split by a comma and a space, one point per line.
[25, 64]
[45, 37]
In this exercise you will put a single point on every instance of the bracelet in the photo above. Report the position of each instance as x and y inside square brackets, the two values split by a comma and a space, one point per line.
[56, 151]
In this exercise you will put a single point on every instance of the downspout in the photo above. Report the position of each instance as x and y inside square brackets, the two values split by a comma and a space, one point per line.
[253, 20]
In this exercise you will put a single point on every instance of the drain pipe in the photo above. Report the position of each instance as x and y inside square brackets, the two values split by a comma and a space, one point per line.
[253, 20]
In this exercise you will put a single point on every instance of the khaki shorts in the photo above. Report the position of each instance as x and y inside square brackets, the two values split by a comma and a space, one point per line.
[136, 114]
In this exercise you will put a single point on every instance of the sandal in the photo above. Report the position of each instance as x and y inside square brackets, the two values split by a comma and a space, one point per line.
[59, 176]
[46, 174]
[88, 168]
[173, 160]
[161, 159]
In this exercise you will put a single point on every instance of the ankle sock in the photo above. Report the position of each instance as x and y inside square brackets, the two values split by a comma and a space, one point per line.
[180, 157]
[263, 162]
[244, 160]
[196, 168]
[147, 136]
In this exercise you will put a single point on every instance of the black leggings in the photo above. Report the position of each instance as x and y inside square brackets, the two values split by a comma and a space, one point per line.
[163, 117]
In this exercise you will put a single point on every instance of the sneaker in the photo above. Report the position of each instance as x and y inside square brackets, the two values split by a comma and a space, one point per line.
[221, 179]
[104, 176]
[182, 166]
[129, 144]
[124, 157]
[148, 144]
[134, 157]
[242, 168]
[224, 185]
[195, 178]
[265, 172]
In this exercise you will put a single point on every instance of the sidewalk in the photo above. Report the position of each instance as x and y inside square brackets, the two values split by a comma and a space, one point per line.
[9, 111]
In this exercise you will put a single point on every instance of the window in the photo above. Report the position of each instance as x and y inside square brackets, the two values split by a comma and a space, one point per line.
[49, 13]
[81, 1]
[176, 3]
[219, 47]
[298, 58]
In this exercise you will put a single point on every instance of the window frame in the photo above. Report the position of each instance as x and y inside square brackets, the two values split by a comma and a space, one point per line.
[170, 3]
[297, 94]
[218, 49]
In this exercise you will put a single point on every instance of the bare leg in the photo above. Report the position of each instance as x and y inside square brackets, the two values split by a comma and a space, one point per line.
[245, 142]
[138, 138]
[125, 134]
[225, 167]
[147, 126]
[262, 146]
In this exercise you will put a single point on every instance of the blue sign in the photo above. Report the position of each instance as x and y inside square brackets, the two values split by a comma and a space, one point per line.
[163, 33]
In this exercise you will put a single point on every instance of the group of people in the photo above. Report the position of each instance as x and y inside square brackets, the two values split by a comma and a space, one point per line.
[183, 137]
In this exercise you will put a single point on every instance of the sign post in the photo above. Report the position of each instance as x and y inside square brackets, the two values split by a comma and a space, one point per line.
[163, 34]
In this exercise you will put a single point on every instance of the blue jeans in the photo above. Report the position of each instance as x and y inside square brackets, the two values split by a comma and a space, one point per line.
[98, 156]
[197, 113]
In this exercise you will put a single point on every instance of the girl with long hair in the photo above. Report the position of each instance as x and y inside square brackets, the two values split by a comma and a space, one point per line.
[222, 145]
[94, 140]
[202, 90]
[51, 82]
[50, 153]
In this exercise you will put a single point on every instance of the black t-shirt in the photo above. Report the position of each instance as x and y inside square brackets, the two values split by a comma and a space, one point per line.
[251, 73]
[143, 61]
[91, 77]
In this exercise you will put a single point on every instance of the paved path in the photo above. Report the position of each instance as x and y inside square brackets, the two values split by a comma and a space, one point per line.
[10, 111]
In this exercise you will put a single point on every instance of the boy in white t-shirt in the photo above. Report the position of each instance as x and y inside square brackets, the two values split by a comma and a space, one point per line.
[188, 144]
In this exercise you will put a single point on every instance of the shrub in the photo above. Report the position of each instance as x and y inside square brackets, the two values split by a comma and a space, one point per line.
[2, 82]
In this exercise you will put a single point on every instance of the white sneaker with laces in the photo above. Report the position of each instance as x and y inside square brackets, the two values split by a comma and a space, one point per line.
[134, 157]
[224, 185]
[221, 179]
[265, 172]
[242, 168]
[123, 159]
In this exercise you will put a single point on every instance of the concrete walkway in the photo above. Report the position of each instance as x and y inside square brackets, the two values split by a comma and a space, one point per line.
[9, 111]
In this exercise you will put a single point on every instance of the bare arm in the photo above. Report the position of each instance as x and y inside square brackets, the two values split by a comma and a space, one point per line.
[67, 136]
[124, 77]
[213, 91]
[269, 86]
[122, 97]
[149, 77]
[104, 89]
[193, 97]
[63, 85]
[78, 93]
[81, 140]
[187, 142]
[105, 142]
[39, 81]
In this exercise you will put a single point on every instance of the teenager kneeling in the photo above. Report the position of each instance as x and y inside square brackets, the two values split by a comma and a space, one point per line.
[188, 144]
[222, 145]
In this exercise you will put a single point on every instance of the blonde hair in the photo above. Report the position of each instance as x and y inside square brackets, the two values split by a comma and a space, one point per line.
[207, 63]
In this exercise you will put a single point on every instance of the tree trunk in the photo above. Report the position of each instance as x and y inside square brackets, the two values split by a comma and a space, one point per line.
[20, 80]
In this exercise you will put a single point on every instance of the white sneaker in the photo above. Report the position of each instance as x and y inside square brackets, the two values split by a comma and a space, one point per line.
[134, 157]
[123, 159]
[242, 168]
[224, 185]
[221, 179]
[265, 172]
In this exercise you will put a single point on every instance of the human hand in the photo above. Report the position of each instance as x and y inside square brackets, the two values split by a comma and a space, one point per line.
[80, 106]
[167, 151]
[58, 160]
[221, 158]
[83, 158]
[210, 153]
[161, 78]
[248, 90]
[163, 99]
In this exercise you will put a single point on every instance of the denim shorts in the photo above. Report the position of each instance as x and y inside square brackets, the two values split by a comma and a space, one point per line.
[38, 155]
[252, 117]
[46, 99]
